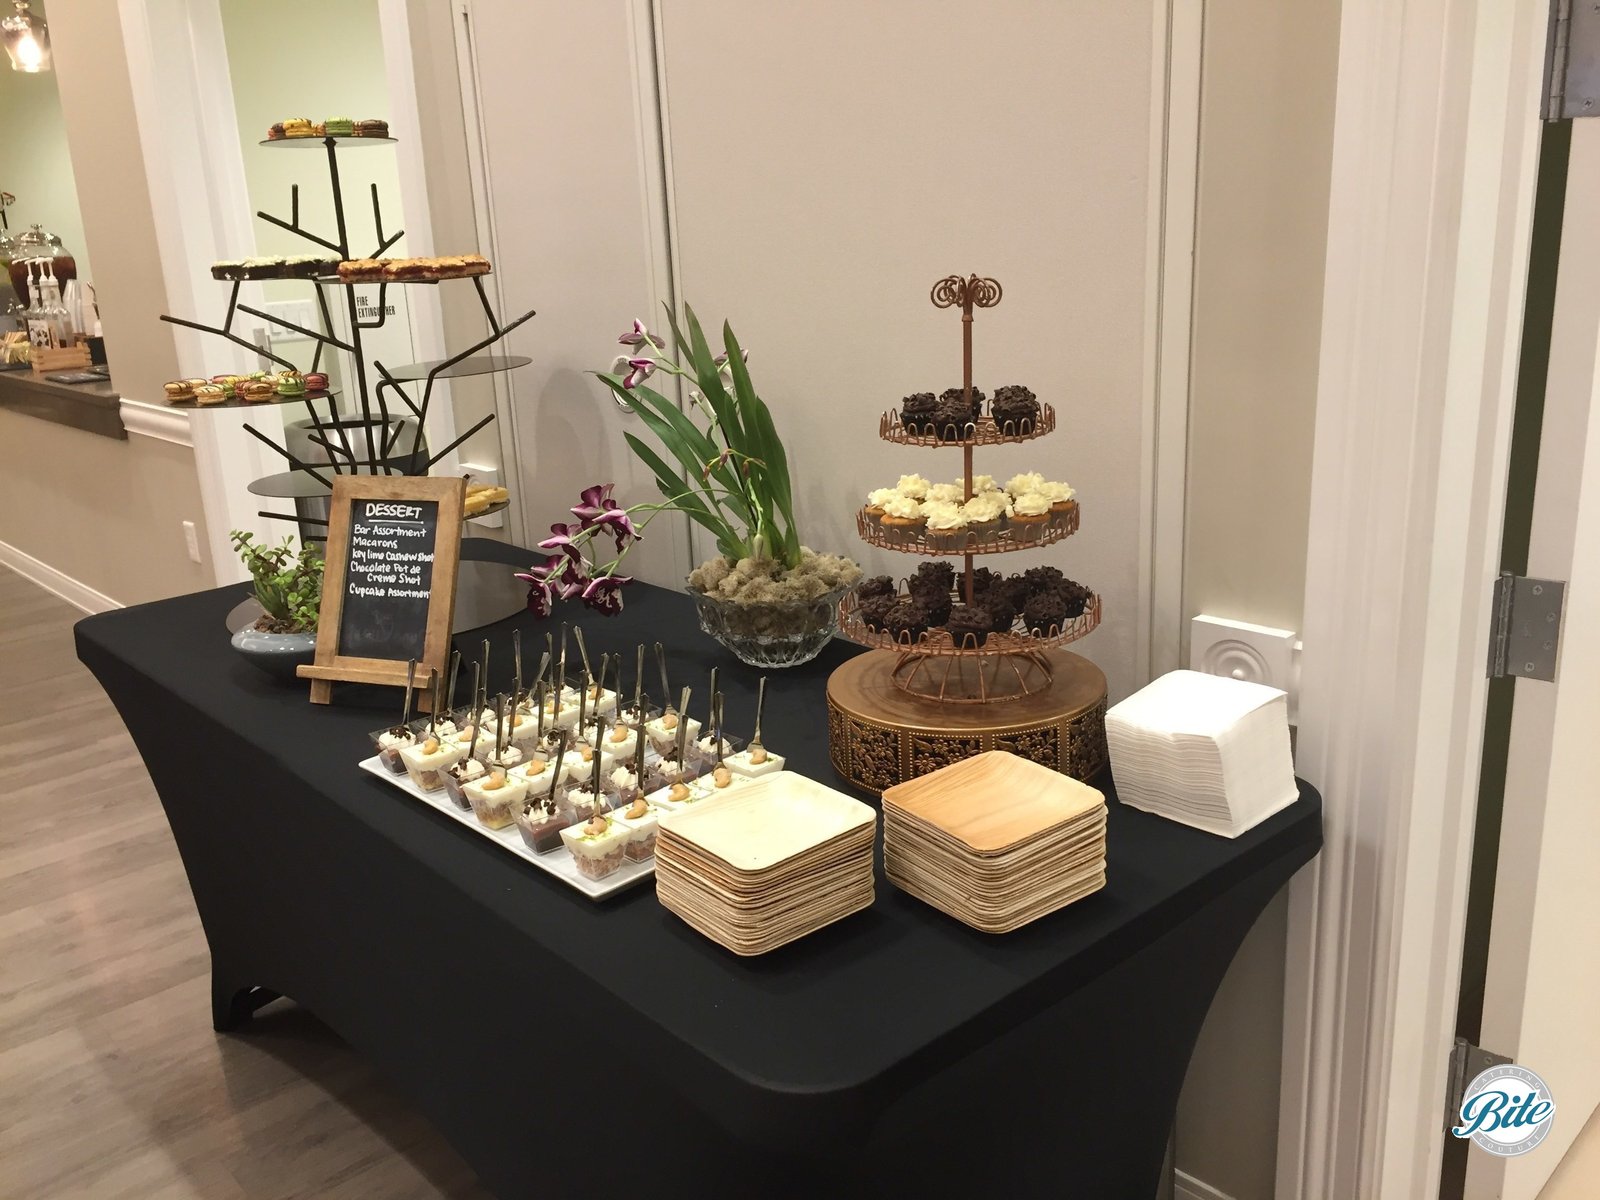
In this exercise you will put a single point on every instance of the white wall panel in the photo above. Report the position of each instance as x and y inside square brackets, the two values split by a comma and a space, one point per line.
[831, 160]
[826, 163]
[560, 102]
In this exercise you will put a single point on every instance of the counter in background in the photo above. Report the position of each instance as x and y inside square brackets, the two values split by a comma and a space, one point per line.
[92, 407]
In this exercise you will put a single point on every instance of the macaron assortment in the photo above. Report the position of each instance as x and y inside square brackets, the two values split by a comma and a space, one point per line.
[256, 388]
[336, 127]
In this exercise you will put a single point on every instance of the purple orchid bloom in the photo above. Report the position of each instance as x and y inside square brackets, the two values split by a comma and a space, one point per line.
[603, 593]
[640, 336]
[721, 360]
[572, 580]
[597, 510]
[642, 369]
[540, 597]
[560, 541]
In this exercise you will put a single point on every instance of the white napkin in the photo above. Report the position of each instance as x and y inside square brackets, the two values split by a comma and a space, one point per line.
[1203, 750]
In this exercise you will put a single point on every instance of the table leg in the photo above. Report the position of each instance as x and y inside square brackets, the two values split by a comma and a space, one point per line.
[232, 1004]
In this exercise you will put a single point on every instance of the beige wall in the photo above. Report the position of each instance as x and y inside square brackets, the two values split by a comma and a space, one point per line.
[444, 135]
[107, 513]
[820, 184]
[34, 164]
[1265, 150]
[817, 218]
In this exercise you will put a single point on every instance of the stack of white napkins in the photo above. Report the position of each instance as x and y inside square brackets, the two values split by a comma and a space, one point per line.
[771, 861]
[1205, 750]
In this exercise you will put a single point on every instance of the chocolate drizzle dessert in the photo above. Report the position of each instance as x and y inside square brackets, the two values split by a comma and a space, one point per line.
[1014, 408]
[916, 412]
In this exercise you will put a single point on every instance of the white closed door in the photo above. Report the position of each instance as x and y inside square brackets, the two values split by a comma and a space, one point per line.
[1541, 998]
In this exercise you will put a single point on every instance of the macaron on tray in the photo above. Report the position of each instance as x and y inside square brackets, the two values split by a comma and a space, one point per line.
[259, 387]
[334, 127]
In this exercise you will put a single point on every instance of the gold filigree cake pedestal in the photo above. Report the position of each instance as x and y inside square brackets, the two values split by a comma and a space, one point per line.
[880, 735]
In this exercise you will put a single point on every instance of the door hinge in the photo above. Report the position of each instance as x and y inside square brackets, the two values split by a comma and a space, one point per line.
[1525, 628]
[1467, 1062]
[1572, 61]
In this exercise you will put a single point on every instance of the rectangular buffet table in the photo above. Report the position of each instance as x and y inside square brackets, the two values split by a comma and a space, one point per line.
[574, 1048]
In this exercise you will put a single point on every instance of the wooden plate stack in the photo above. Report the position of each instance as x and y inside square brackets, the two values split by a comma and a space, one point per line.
[995, 840]
[772, 861]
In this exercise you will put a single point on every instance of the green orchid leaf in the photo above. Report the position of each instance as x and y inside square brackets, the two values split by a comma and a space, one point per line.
[674, 488]
[686, 442]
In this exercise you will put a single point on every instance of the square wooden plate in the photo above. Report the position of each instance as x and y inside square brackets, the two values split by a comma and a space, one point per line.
[994, 801]
[765, 823]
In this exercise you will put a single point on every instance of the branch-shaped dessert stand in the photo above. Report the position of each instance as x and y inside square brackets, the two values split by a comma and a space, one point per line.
[377, 447]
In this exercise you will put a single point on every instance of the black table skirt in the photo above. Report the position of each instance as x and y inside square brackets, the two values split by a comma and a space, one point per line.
[574, 1048]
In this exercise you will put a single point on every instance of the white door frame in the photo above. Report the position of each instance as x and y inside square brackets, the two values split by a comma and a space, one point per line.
[1434, 161]
[1175, 65]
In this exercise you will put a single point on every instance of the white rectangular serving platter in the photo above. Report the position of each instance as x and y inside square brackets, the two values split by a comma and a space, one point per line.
[558, 863]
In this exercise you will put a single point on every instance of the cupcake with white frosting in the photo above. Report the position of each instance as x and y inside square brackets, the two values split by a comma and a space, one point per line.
[914, 486]
[947, 525]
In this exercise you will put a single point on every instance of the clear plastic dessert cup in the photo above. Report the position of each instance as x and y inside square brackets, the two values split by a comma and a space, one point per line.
[599, 848]
[754, 762]
[541, 831]
[466, 770]
[663, 730]
[703, 753]
[389, 742]
[495, 799]
[427, 767]
[640, 819]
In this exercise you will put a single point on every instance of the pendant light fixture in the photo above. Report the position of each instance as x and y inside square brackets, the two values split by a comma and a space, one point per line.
[26, 38]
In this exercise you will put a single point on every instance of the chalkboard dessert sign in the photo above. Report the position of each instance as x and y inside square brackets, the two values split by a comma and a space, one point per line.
[389, 586]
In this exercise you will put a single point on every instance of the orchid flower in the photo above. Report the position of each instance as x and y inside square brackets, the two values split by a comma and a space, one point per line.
[561, 541]
[596, 510]
[721, 360]
[641, 369]
[603, 593]
[640, 336]
[541, 600]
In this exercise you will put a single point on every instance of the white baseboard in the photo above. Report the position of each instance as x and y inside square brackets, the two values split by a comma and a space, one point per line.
[79, 595]
[159, 421]
[1187, 1187]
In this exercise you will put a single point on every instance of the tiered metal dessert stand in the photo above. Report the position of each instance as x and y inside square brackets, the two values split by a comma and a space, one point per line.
[915, 704]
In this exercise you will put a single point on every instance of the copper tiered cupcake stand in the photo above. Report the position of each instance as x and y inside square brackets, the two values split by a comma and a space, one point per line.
[914, 704]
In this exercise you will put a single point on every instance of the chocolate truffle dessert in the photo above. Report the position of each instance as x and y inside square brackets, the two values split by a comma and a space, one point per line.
[937, 576]
[907, 620]
[878, 585]
[951, 419]
[1043, 579]
[935, 605]
[1045, 614]
[1075, 596]
[1015, 409]
[916, 412]
[1016, 589]
[997, 603]
[969, 625]
[874, 608]
[983, 579]
[953, 397]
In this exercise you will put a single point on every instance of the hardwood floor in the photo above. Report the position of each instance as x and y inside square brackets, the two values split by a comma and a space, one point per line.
[112, 1082]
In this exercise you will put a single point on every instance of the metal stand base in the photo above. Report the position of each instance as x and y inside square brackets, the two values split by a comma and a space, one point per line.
[880, 735]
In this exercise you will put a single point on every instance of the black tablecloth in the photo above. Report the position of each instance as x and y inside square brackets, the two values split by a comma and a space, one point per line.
[570, 1047]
